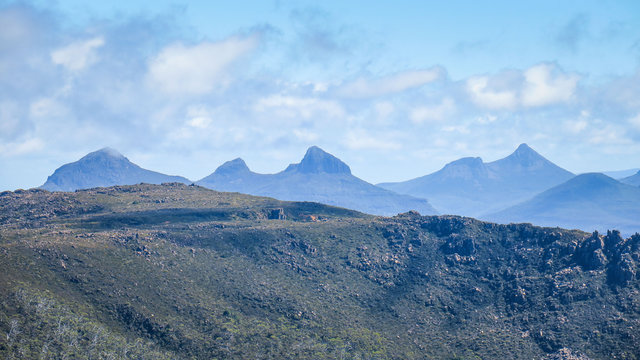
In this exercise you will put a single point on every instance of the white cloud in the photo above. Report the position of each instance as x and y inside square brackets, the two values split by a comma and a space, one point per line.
[576, 126]
[46, 108]
[9, 119]
[304, 107]
[359, 139]
[383, 109]
[200, 117]
[363, 88]
[457, 128]
[305, 135]
[478, 88]
[635, 121]
[541, 87]
[199, 69]
[608, 135]
[21, 147]
[436, 113]
[487, 119]
[200, 122]
[78, 55]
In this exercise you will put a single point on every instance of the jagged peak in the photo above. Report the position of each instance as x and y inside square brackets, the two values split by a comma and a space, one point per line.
[523, 156]
[524, 151]
[317, 160]
[234, 166]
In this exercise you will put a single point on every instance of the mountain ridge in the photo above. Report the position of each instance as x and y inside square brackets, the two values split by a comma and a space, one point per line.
[591, 201]
[471, 187]
[632, 180]
[319, 177]
[103, 167]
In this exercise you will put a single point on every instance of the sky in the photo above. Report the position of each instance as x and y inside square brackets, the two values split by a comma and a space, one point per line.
[395, 89]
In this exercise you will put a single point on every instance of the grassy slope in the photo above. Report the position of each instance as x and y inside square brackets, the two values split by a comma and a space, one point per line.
[178, 271]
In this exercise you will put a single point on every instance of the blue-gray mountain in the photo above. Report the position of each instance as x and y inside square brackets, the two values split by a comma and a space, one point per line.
[632, 180]
[589, 202]
[471, 187]
[319, 177]
[621, 174]
[105, 167]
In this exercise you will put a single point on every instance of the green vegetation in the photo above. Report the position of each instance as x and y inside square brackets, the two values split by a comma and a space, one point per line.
[182, 272]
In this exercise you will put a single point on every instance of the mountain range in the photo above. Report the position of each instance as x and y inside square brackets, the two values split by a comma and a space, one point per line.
[522, 187]
[319, 177]
[471, 187]
[620, 174]
[590, 201]
[105, 167]
[632, 180]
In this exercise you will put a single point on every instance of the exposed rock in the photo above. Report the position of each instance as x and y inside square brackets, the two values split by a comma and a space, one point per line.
[566, 354]
[623, 271]
[277, 214]
[317, 160]
[459, 245]
[590, 255]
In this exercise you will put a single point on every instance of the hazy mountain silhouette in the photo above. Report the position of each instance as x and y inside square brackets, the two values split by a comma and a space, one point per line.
[471, 187]
[105, 167]
[621, 174]
[632, 180]
[319, 177]
[589, 202]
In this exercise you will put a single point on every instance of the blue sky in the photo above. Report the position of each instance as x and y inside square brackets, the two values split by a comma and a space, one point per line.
[395, 89]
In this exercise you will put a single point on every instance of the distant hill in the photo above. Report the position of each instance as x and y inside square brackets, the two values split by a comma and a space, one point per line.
[471, 187]
[632, 180]
[319, 177]
[589, 202]
[620, 174]
[105, 167]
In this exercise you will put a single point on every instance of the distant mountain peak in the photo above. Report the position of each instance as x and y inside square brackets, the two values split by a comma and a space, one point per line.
[105, 152]
[591, 179]
[317, 160]
[524, 151]
[525, 157]
[524, 148]
[234, 166]
[104, 167]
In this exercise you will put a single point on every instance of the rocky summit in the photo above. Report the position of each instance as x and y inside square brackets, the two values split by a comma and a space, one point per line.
[105, 167]
[317, 161]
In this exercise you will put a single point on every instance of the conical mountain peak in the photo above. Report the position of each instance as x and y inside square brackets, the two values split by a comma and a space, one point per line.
[317, 160]
[234, 166]
[525, 155]
[524, 148]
